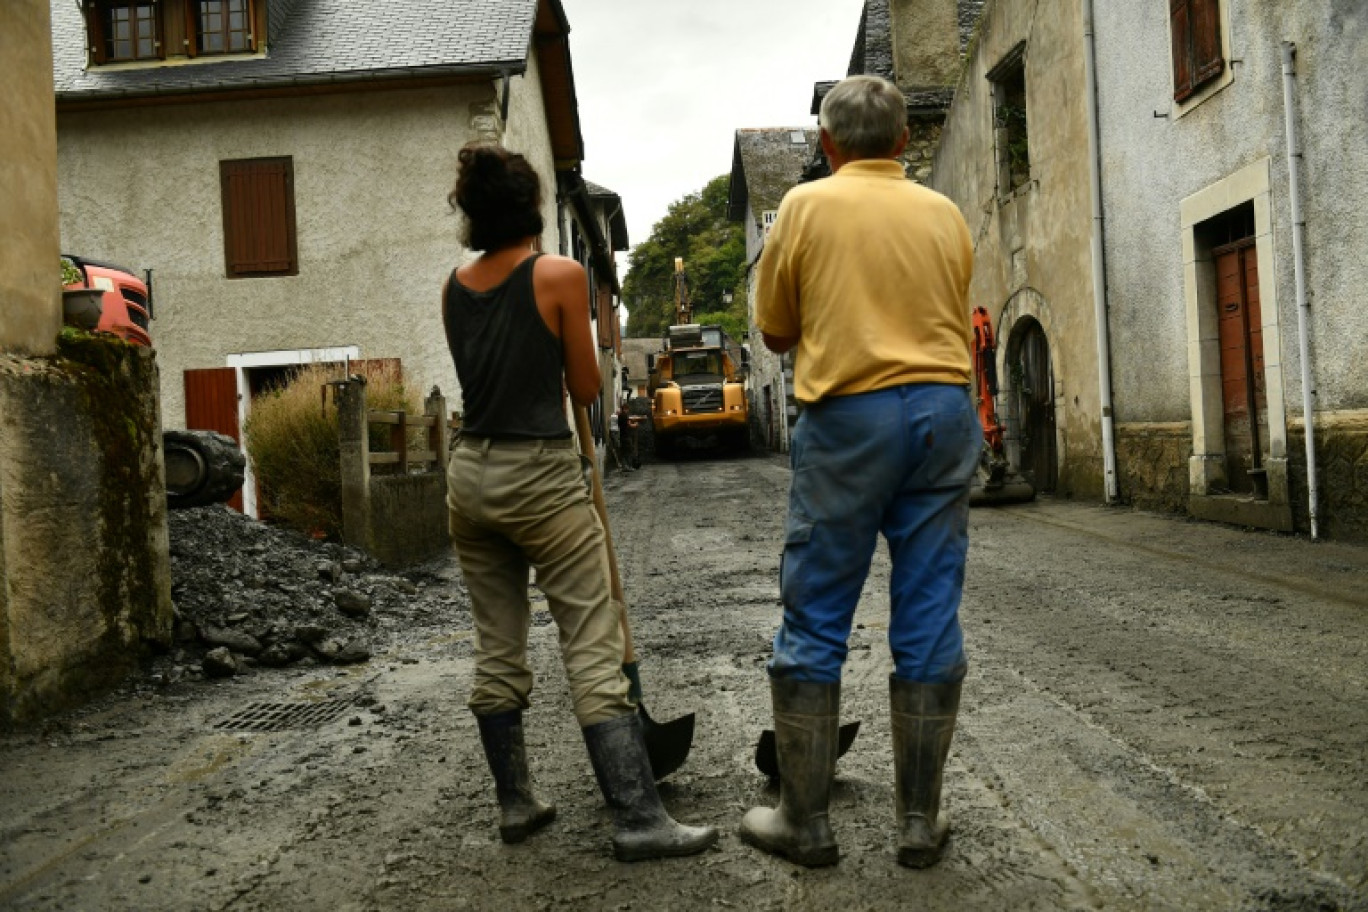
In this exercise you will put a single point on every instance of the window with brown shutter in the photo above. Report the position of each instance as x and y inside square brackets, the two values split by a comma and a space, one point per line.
[124, 31]
[1195, 34]
[259, 217]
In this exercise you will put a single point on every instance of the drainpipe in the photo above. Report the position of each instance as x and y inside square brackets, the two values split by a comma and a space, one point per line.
[1099, 262]
[1294, 158]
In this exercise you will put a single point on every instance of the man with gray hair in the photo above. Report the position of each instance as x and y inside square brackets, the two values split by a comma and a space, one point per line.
[866, 274]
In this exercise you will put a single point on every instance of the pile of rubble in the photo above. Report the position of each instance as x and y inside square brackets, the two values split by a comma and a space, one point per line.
[248, 594]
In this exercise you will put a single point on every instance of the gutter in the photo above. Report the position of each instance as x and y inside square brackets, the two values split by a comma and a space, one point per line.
[1294, 160]
[1099, 261]
[501, 70]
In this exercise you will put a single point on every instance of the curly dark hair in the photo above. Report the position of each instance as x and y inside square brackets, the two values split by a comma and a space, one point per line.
[500, 194]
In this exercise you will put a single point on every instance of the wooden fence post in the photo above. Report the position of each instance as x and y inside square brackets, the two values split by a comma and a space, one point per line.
[354, 443]
[439, 435]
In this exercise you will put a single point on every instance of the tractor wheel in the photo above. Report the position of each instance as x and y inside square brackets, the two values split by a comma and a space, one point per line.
[202, 468]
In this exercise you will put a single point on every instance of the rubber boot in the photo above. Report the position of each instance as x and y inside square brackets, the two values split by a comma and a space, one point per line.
[805, 725]
[641, 827]
[520, 813]
[923, 724]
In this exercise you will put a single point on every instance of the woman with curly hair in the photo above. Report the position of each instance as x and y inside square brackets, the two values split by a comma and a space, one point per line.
[517, 323]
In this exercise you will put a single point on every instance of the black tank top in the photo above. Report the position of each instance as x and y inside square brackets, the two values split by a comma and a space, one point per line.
[509, 364]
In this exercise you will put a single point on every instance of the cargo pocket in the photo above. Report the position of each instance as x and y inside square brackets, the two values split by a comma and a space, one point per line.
[797, 541]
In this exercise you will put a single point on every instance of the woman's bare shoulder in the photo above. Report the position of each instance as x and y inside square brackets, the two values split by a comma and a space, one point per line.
[558, 268]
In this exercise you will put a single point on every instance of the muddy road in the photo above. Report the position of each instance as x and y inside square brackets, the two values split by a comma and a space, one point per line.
[1159, 715]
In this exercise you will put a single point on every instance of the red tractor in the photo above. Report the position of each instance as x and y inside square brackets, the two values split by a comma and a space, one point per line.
[996, 481]
[202, 467]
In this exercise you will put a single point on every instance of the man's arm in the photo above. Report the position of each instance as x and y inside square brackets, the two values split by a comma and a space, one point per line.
[779, 344]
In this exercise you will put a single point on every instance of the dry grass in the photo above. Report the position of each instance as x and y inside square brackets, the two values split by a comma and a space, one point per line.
[292, 440]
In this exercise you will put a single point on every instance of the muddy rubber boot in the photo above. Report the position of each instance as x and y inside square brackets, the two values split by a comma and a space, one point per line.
[641, 827]
[923, 724]
[805, 726]
[520, 813]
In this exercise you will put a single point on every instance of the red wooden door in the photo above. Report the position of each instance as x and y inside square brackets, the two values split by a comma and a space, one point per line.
[1243, 391]
[211, 404]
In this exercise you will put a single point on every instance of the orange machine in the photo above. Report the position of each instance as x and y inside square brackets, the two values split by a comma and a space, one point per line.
[127, 301]
[996, 481]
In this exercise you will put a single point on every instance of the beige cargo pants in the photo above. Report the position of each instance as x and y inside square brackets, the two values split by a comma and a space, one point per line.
[516, 505]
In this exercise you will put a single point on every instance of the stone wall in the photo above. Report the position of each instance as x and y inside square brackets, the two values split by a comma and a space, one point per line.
[85, 566]
[401, 519]
[1341, 479]
[1152, 465]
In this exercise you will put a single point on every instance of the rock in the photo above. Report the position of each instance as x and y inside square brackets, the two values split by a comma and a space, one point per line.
[310, 633]
[405, 587]
[355, 651]
[352, 604]
[220, 663]
[353, 565]
[275, 656]
[328, 649]
[235, 640]
[329, 571]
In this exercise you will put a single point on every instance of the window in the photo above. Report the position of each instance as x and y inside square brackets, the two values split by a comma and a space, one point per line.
[221, 26]
[259, 217]
[1195, 27]
[124, 31]
[1009, 121]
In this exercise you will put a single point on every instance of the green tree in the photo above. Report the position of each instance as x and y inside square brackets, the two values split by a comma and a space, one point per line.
[714, 252]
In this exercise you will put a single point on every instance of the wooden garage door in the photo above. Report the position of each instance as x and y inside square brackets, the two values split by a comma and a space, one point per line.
[211, 404]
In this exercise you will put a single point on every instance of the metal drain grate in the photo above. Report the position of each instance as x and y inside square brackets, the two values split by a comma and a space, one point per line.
[266, 717]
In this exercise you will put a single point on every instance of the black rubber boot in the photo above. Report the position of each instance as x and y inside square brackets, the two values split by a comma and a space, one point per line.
[641, 827]
[805, 726]
[520, 813]
[923, 724]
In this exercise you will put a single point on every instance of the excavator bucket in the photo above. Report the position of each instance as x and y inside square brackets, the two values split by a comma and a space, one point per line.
[996, 484]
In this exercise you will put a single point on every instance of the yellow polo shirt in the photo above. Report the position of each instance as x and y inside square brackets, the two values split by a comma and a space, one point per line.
[871, 272]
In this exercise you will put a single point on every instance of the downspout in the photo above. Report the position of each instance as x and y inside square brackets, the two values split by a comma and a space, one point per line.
[1099, 262]
[1294, 158]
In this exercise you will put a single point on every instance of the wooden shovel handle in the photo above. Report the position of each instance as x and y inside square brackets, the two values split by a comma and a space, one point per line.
[586, 444]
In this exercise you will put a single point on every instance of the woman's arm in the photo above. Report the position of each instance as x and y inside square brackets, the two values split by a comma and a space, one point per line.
[562, 290]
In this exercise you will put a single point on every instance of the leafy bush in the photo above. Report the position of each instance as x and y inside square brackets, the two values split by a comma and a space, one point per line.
[292, 441]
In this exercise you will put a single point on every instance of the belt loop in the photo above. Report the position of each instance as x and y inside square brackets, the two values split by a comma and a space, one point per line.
[484, 446]
[541, 446]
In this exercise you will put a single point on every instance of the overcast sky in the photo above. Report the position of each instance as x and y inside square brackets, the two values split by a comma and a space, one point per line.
[664, 84]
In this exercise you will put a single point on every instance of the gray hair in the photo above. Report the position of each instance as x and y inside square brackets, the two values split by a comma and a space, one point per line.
[864, 116]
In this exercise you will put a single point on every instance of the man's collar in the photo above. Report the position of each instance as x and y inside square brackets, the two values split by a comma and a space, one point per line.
[873, 167]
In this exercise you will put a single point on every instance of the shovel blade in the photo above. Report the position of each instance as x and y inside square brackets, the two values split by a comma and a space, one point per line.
[767, 754]
[667, 743]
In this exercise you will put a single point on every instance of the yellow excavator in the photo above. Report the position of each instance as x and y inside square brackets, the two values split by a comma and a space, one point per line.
[697, 383]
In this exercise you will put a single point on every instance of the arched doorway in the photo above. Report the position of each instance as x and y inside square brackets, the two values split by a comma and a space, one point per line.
[1033, 403]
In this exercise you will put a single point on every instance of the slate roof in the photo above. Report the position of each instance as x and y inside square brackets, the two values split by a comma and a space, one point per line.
[319, 41]
[617, 219]
[766, 163]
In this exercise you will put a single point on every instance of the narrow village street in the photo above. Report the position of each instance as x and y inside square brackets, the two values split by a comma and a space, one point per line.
[1160, 714]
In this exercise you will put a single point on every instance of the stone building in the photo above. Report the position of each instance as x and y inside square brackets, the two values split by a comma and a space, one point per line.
[1014, 156]
[766, 162]
[1234, 145]
[285, 175]
[84, 562]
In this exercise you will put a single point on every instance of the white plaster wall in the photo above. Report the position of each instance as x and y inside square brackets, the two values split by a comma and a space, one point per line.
[1151, 162]
[1031, 251]
[376, 237]
[527, 133]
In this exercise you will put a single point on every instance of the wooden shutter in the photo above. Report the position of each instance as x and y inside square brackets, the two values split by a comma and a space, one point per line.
[211, 404]
[1195, 38]
[259, 217]
[1180, 40]
[1207, 61]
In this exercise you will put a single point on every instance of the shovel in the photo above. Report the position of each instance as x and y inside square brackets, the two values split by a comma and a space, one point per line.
[667, 743]
[767, 755]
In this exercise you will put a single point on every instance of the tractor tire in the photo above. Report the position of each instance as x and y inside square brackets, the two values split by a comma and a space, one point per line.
[202, 468]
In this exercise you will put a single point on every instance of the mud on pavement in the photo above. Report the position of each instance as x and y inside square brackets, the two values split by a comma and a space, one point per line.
[1160, 715]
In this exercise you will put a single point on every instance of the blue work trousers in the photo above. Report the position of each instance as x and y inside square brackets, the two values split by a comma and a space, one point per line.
[897, 461]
